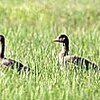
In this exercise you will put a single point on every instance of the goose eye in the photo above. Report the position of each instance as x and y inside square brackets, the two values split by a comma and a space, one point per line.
[62, 39]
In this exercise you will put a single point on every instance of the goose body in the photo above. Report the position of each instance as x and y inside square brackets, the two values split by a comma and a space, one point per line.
[9, 63]
[64, 58]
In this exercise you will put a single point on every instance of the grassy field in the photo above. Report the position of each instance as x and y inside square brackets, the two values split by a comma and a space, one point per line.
[29, 27]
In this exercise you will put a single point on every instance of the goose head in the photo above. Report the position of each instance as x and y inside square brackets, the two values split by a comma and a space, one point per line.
[2, 39]
[64, 40]
[2, 46]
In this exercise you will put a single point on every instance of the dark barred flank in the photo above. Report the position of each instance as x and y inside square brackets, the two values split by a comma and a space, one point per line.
[11, 63]
[63, 56]
[16, 65]
[85, 63]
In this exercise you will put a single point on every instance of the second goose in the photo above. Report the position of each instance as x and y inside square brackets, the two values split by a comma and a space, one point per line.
[64, 58]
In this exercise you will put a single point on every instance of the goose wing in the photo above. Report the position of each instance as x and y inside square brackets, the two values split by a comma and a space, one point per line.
[82, 62]
[15, 64]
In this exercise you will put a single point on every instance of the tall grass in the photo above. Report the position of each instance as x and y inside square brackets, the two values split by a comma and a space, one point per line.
[29, 27]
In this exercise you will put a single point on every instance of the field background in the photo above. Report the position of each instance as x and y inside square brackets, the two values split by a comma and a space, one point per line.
[29, 27]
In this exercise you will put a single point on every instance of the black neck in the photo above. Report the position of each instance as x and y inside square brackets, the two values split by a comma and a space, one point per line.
[65, 49]
[2, 49]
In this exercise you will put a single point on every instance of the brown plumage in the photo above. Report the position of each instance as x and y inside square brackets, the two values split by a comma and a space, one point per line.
[9, 63]
[64, 58]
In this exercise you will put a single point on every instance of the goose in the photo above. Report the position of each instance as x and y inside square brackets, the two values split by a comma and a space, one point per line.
[64, 57]
[9, 63]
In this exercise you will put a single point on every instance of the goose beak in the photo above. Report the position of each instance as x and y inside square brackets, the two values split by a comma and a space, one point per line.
[56, 40]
